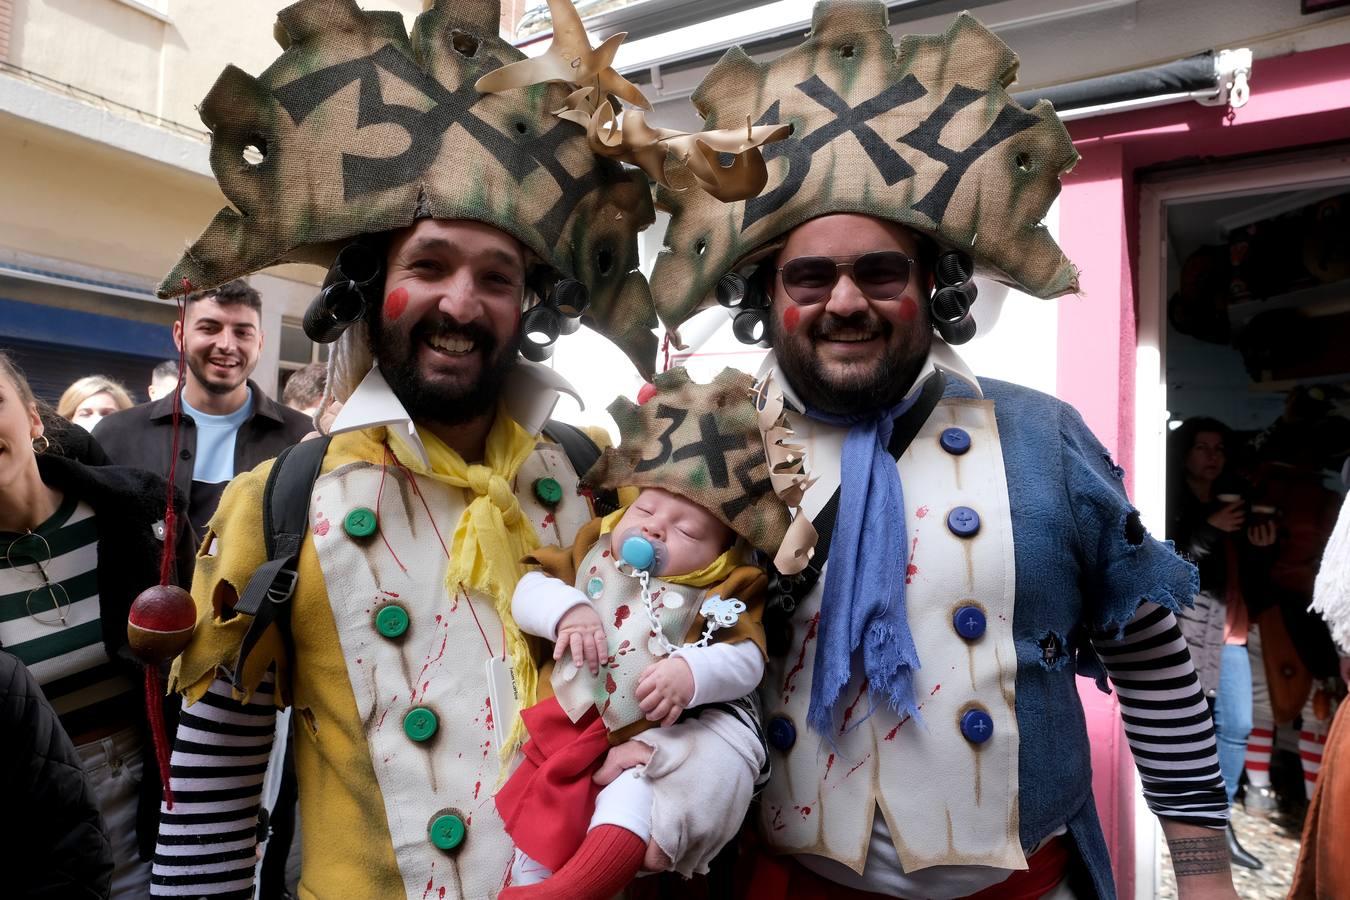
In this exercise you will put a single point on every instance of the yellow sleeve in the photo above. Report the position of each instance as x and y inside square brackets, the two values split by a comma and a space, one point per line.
[230, 553]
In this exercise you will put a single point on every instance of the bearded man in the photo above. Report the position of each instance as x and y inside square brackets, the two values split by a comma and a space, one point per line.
[977, 549]
[462, 228]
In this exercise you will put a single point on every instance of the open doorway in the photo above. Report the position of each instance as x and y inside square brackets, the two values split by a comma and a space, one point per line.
[1244, 421]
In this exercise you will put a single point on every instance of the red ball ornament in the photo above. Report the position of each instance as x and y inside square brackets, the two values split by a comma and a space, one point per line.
[160, 623]
[646, 392]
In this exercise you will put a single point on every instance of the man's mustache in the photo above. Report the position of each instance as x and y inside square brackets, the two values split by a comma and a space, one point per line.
[832, 324]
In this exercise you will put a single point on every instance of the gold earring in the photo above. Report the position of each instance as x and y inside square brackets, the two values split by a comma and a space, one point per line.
[41, 444]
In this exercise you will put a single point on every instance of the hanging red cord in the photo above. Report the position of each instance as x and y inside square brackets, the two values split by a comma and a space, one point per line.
[162, 618]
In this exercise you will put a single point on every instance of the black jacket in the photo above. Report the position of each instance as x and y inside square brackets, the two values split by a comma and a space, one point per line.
[143, 437]
[53, 844]
[128, 505]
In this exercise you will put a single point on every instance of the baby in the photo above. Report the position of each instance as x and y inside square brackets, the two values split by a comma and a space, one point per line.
[654, 610]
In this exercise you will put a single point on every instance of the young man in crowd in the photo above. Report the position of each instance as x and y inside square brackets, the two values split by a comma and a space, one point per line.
[230, 424]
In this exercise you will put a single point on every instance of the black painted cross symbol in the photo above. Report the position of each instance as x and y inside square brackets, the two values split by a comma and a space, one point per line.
[426, 130]
[751, 490]
[713, 446]
[546, 149]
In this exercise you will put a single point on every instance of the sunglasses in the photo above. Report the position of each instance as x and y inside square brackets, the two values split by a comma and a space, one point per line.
[880, 275]
[48, 603]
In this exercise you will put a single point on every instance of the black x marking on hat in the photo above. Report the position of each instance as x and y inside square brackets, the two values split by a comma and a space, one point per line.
[426, 130]
[713, 447]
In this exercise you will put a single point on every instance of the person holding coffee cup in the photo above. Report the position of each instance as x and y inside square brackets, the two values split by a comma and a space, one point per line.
[1209, 521]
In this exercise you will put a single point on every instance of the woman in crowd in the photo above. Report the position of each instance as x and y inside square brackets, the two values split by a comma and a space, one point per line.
[1207, 520]
[77, 544]
[52, 840]
[91, 398]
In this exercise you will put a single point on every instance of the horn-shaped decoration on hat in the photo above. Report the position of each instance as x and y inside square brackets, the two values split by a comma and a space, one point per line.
[359, 128]
[921, 132]
[627, 136]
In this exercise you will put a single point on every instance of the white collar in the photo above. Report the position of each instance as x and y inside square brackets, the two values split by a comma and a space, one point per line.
[531, 394]
[940, 356]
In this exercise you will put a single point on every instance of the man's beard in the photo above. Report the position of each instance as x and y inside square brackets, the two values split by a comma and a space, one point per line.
[857, 391]
[442, 404]
[218, 388]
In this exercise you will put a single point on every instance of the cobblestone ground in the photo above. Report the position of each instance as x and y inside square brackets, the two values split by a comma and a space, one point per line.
[1274, 841]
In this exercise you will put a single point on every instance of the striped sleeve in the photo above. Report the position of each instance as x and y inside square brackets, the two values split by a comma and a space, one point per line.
[1167, 719]
[207, 841]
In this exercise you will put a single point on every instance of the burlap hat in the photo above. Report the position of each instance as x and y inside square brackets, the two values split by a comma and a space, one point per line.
[362, 128]
[922, 132]
[722, 445]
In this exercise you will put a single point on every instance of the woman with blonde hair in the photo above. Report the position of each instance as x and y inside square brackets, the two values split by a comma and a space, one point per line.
[91, 398]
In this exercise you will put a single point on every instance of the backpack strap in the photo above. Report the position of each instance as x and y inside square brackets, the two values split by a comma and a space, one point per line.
[582, 453]
[285, 521]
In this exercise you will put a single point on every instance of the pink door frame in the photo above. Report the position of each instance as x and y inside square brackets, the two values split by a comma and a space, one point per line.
[1301, 100]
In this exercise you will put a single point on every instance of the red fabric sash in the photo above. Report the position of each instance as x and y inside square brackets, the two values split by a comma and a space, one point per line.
[776, 877]
[547, 803]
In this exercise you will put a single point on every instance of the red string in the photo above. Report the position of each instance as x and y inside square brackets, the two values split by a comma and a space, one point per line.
[171, 514]
[158, 735]
[379, 495]
[154, 710]
[446, 550]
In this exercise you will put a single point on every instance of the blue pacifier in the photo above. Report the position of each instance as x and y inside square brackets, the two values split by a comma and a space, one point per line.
[642, 554]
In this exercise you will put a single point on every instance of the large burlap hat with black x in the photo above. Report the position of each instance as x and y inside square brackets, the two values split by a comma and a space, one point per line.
[722, 445]
[363, 128]
[921, 132]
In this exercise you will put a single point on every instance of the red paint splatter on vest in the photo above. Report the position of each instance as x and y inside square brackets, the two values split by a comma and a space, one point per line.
[921, 512]
[829, 764]
[396, 303]
[848, 713]
[620, 615]
[788, 686]
[321, 527]
[912, 570]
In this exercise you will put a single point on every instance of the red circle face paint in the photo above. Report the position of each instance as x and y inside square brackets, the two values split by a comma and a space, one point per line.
[791, 317]
[396, 303]
[909, 310]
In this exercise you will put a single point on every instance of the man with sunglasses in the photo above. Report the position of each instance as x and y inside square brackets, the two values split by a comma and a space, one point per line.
[976, 548]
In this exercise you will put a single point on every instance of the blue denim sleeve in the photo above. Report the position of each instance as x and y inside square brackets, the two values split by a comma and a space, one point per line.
[1122, 565]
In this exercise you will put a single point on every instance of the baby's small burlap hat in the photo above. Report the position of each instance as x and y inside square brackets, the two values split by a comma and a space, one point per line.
[921, 132]
[725, 446]
[359, 128]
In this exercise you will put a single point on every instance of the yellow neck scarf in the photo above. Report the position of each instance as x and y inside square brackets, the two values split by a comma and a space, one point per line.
[712, 573]
[492, 535]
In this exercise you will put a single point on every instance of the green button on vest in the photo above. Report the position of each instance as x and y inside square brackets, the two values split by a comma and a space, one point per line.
[548, 491]
[360, 522]
[420, 724]
[447, 831]
[391, 621]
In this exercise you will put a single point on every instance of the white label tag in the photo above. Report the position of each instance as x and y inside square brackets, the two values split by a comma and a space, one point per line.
[501, 684]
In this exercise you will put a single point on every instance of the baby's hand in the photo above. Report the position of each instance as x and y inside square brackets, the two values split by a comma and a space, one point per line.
[581, 630]
[665, 689]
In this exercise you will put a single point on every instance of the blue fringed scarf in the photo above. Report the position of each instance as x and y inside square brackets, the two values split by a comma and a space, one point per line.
[864, 596]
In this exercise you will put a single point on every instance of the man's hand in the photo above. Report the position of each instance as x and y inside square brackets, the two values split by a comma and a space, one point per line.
[1230, 518]
[622, 758]
[1200, 861]
[581, 631]
[665, 689]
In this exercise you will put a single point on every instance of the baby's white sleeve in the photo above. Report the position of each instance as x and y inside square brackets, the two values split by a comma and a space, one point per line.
[540, 601]
[723, 672]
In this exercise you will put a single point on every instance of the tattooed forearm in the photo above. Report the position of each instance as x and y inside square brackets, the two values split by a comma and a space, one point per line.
[1199, 856]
